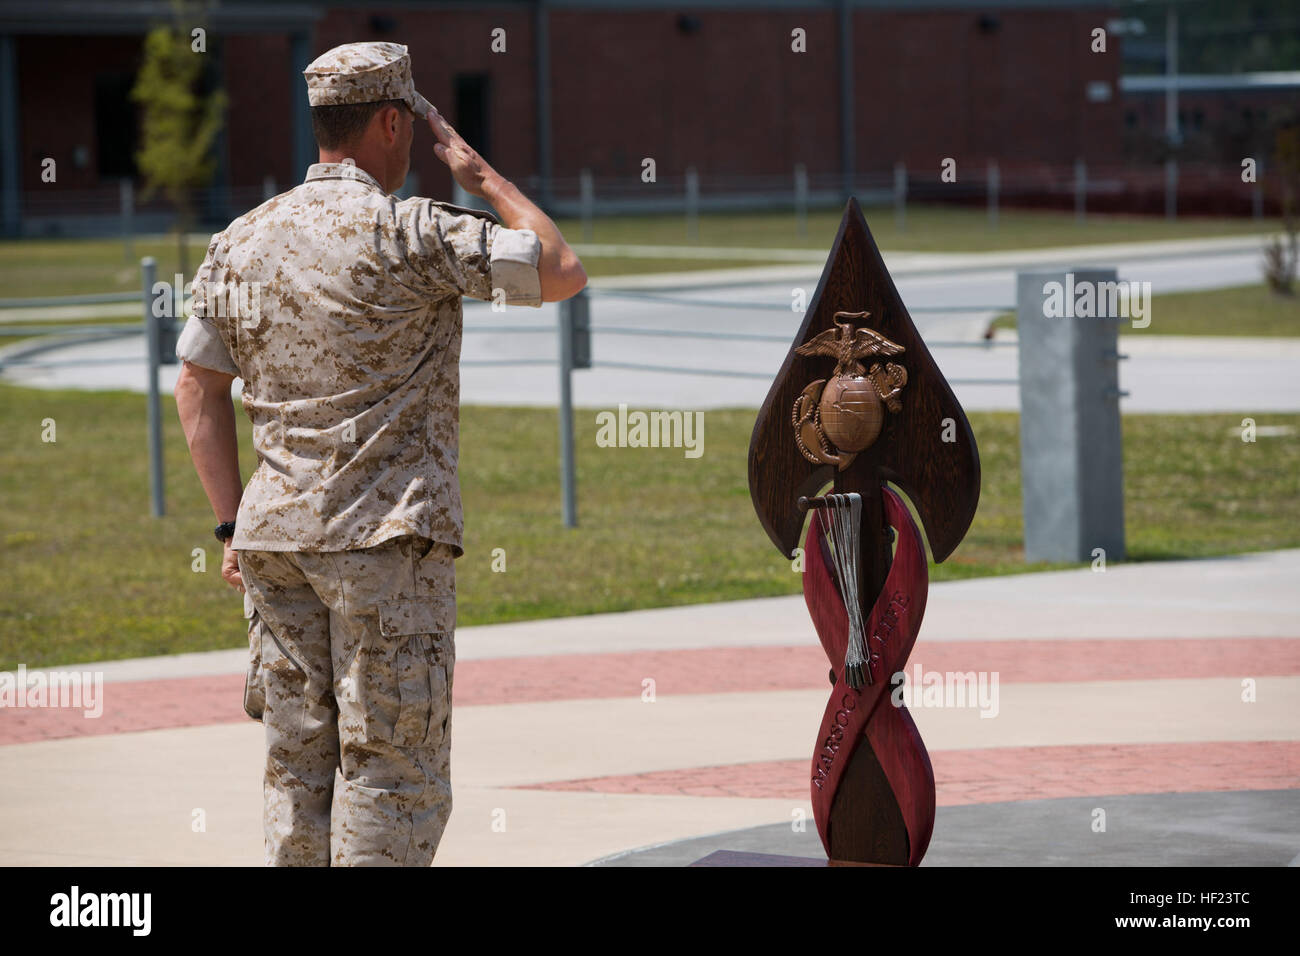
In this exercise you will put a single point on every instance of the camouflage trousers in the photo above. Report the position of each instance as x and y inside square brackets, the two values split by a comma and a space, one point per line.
[350, 672]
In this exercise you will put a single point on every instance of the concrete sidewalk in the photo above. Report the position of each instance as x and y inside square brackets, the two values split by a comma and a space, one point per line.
[1115, 689]
[953, 299]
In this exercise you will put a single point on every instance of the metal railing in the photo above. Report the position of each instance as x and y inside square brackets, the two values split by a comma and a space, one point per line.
[670, 299]
[162, 305]
[1145, 187]
[575, 313]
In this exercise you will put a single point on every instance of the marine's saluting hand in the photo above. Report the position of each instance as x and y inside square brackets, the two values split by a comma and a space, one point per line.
[467, 167]
[559, 270]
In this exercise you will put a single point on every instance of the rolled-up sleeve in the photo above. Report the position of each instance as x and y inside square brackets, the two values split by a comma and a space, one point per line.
[472, 254]
[514, 258]
[200, 344]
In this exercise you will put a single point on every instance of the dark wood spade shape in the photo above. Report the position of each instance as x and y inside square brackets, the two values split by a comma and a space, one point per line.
[859, 404]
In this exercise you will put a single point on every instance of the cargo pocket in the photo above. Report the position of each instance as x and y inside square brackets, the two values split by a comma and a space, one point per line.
[421, 632]
[254, 682]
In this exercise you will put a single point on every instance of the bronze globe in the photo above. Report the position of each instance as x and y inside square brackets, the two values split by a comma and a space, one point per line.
[851, 412]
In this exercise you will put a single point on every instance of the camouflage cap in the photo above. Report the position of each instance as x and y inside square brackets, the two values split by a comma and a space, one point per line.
[363, 73]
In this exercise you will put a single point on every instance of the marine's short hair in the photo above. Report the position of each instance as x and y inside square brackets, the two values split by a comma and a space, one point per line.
[338, 126]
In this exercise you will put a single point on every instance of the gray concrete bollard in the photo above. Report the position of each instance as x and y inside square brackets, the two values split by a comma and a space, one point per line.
[1071, 458]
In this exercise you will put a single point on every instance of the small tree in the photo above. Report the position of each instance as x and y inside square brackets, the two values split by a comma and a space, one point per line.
[1282, 254]
[179, 124]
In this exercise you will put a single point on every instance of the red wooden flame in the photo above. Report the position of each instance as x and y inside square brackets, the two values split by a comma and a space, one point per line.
[851, 714]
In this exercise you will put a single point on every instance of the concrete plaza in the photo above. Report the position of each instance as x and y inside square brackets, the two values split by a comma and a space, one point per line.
[1166, 695]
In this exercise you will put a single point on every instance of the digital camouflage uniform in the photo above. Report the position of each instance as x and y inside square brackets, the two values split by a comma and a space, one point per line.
[339, 307]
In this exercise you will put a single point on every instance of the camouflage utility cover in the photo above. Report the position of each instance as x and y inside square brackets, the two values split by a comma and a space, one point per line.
[363, 73]
[340, 308]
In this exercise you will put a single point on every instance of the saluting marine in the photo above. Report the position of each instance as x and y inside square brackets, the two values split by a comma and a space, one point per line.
[344, 539]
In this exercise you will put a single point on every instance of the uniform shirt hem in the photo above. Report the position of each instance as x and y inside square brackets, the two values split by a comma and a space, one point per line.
[242, 544]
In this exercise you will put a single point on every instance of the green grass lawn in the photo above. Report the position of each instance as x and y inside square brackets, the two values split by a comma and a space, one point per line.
[928, 228]
[89, 575]
[51, 267]
[54, 267]
[1242, 310]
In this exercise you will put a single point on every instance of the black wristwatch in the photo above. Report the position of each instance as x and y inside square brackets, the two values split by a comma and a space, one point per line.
[224, 531]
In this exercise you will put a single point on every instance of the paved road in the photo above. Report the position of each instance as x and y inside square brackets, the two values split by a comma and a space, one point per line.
[1251, 376]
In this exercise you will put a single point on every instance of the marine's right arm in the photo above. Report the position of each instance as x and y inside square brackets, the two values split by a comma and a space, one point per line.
[559, 267]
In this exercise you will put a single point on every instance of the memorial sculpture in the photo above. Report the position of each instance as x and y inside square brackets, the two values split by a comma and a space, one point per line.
[859, 405]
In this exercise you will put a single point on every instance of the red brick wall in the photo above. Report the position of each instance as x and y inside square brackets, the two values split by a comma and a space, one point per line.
[932, 85]
[730, 98]
[56, 89]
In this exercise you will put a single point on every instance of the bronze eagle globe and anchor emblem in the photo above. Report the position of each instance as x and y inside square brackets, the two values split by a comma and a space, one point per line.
[835, 421]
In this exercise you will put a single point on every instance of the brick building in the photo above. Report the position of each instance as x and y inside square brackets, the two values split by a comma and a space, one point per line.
[580, 85]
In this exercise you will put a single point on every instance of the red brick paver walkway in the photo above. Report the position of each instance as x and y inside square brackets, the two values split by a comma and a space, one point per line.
[199, 701]
[1000, 774]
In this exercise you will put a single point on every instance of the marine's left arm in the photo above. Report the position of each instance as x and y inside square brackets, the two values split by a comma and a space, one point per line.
[207, 412]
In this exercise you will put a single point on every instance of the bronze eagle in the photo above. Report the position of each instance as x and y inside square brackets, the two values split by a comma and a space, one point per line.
[846, 345]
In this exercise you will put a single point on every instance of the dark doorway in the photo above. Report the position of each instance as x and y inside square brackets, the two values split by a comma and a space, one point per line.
[115, 125]
[473, 111]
